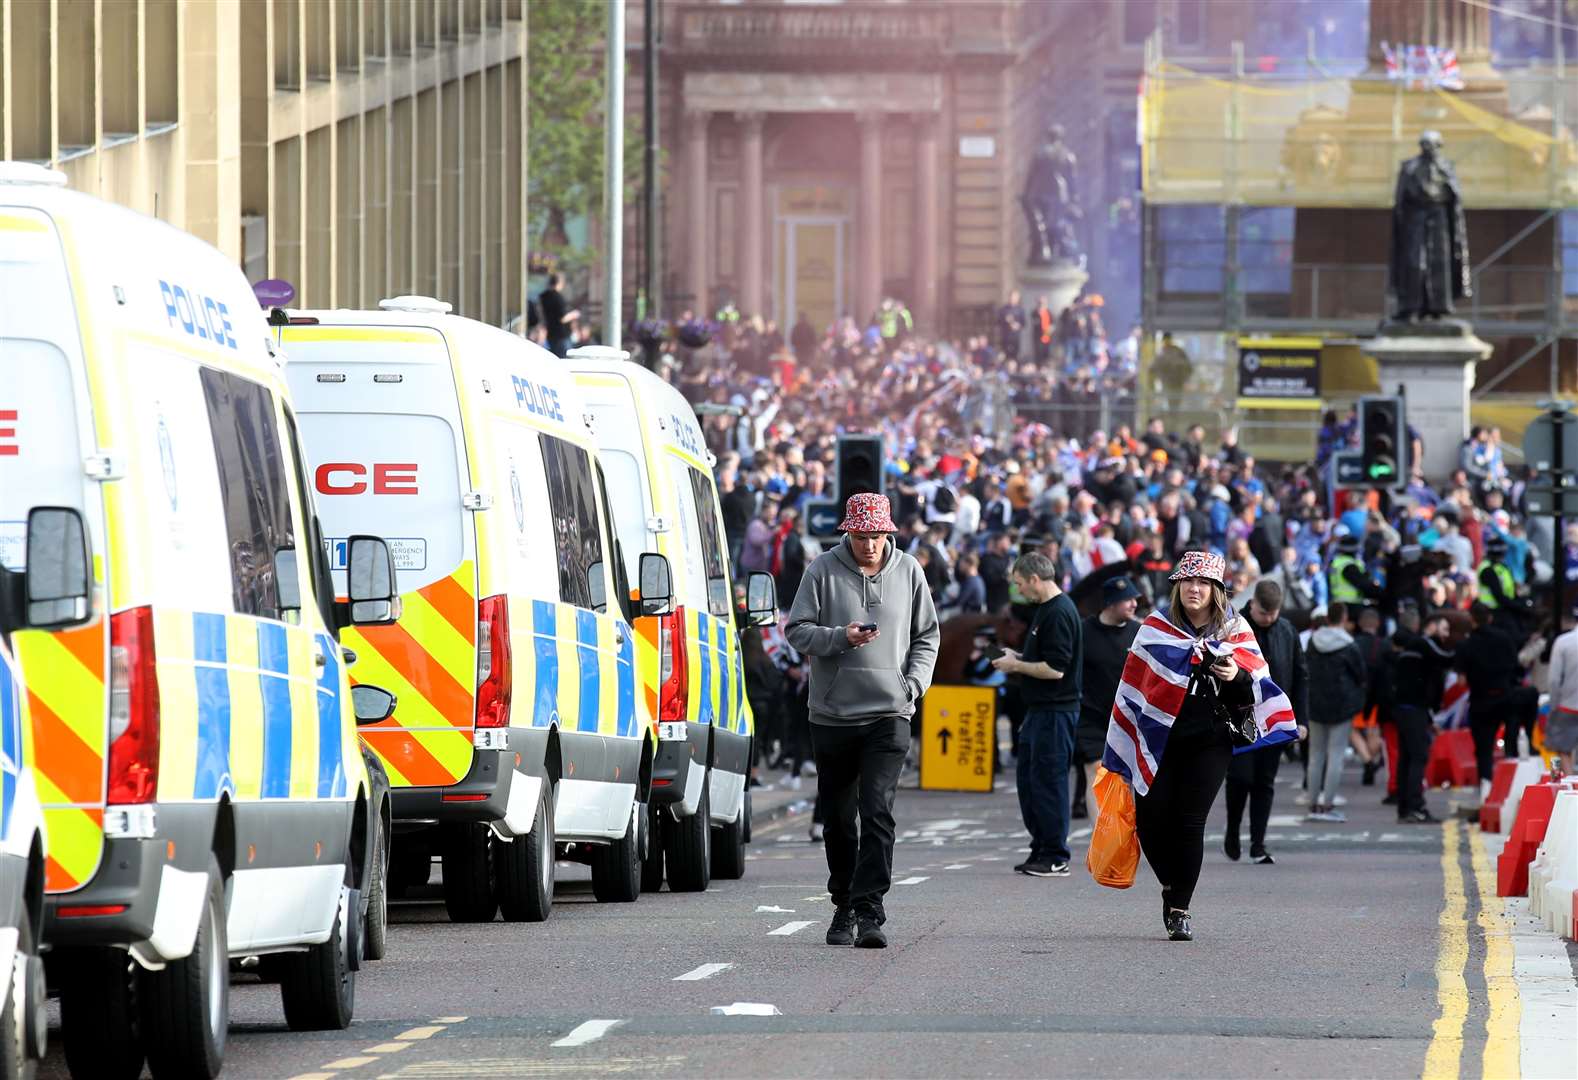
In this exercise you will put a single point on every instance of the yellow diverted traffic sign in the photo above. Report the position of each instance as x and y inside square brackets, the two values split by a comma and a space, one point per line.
[958, 730]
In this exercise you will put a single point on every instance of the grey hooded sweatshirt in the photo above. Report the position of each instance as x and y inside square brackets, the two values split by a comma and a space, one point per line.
[885, 677]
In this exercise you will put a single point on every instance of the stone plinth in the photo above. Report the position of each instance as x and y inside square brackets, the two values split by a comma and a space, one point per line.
[1059, 283]
[1435, 365]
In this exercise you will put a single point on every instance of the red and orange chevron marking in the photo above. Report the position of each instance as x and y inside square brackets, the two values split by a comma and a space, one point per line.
[429, 660]
[65, 672]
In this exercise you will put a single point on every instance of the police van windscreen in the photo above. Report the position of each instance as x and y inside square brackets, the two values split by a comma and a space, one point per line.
[394, 475]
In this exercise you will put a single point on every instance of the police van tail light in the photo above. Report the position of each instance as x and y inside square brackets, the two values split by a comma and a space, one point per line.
[672, 693]
[493, 662]
[134, 708]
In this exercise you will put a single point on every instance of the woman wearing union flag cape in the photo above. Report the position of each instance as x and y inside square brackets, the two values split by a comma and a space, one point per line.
[1195, 689]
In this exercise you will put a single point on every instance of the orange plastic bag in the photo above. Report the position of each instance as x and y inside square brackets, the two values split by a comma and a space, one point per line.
[1114, 846]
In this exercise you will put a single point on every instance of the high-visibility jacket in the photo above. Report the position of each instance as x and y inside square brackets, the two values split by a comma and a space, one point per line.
[1508, 585]
[1339, 588]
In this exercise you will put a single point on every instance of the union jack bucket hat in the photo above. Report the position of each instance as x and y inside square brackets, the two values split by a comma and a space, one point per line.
[868, 513]
[1201, 564]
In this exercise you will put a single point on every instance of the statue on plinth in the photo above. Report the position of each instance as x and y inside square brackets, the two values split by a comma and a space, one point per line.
[1429, 265]
[1049, 202]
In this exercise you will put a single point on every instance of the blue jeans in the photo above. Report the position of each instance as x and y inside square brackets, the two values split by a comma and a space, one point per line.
[1046, 750]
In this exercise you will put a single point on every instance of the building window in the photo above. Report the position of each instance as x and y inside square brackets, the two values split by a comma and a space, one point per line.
[1139, 20]
[577, 537]
[1192, 242]
[1265, 249]
[252, 483]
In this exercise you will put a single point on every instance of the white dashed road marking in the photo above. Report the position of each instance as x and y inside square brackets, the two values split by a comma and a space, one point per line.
[911, 880]
[590, 1031]
[789, 928]
[957, 866]
[705, 971]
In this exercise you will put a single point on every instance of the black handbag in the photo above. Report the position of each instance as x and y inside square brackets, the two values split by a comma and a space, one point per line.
[1237, 720]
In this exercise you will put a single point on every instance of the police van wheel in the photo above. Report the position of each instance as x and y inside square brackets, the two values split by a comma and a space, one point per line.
[318, 987]
[728, 847]
[185, 1008]
[26, 1016]
[375, 934]
[524, 868]
[616, 868]
[98, 1014]
[652, 861]
[688, 846]
[469, 895]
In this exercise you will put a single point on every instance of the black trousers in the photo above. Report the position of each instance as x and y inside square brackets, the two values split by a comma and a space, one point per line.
[1413, 750]
[1483, 723]
[1170, 817]
[1252, 778]
[857, 777]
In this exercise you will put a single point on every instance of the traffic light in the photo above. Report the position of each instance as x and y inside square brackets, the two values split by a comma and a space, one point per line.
[859, 465]
[1383, 440]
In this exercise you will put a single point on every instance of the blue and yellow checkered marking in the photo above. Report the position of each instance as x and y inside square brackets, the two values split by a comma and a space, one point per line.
[717, 681]
[12, 756]
[581, 677]
[247, 711]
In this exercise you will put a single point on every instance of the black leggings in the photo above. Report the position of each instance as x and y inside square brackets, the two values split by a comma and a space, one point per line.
[1170, 818]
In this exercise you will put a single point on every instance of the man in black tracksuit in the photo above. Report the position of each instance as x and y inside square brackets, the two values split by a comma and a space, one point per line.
[1252, 776]
[1489, 661]
[1419, 668]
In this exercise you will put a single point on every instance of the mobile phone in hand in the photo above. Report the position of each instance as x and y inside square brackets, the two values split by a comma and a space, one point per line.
[868, 627]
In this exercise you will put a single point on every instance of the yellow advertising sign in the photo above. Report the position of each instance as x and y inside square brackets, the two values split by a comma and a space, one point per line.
[958, 729]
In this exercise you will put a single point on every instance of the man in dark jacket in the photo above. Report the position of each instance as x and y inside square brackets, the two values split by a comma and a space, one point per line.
[1106, 637]
[1419, 670]
[1252, 776]
[1489, 661]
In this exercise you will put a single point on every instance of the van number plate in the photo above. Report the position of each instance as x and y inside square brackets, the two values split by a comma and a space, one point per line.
[677, 731]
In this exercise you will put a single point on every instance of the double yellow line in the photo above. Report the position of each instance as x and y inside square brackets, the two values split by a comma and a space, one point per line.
[1444, 1058]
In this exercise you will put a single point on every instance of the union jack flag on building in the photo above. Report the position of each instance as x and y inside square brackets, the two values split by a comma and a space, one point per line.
[1155, 680]
[1422, 66]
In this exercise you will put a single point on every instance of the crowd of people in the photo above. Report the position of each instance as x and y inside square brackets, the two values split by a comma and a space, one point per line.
[1380, 616]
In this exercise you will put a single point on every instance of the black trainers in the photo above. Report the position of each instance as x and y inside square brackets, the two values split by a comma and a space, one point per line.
[1390, 800]
[870, 935]
[1031, 861]
[1230, 847]
[1046, 868]
[1419, 817]
[842, 929]
[1178, 927]
[1262, 858]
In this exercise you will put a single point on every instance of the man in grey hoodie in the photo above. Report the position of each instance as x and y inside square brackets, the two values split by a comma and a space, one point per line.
[865, 617]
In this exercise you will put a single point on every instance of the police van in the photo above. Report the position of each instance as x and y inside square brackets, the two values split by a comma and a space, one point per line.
[197, 761]
[23, 1015]
[519, 730]
[666, 501]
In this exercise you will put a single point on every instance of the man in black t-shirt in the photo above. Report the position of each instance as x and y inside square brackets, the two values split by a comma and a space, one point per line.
[1049, 667]
[558, 321]
[1105, 639]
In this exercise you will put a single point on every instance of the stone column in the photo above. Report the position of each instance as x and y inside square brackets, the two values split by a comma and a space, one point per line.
[927, 196]
[700, 214]
[1437, 367]
[752, 226]
[868, 292]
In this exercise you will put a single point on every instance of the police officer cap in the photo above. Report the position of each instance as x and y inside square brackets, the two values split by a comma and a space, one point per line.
[1348, 544]
[1496, 545]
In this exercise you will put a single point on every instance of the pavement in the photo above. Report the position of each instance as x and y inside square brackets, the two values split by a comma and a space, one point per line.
[1371, 949]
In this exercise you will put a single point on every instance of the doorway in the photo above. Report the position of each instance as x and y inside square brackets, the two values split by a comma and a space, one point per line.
[811, 275]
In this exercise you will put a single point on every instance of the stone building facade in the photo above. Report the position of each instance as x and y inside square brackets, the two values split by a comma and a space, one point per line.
[821, 157]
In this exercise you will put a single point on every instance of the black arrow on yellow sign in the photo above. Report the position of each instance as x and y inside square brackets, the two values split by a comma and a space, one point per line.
[944, 735]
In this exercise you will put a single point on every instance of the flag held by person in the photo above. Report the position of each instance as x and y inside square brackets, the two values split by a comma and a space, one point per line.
[1155, 680]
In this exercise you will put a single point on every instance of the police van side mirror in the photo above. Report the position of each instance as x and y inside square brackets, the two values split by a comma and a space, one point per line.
[371, 589]
[287, 584]
[657, 585]
[761, 599]
[372, 704]
[56, 586]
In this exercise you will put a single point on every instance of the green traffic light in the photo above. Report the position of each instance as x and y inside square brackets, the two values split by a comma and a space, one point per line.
[1379, 471]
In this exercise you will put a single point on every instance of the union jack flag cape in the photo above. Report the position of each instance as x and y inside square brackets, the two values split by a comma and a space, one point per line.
[1155, 679]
